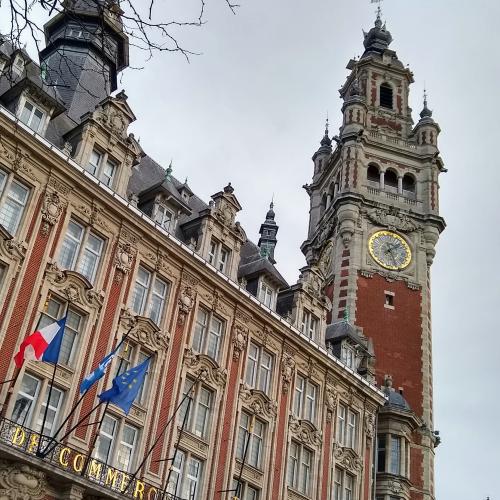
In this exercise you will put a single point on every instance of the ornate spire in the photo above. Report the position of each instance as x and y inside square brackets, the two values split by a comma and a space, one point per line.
[168, 172]
[378, 38]
[268, 230]
[426, 112]
[326, 141]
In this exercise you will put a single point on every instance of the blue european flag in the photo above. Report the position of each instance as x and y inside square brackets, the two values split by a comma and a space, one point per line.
[98, 373]
[126, 387]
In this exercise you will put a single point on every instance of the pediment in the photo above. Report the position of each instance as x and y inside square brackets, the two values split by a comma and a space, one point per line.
[347, 458]
[205, 368]
[144, 331]
[258, 402]
[305, 432]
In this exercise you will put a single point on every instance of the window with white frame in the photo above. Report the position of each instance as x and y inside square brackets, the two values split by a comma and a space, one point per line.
[100, 165]
[208, 334]
[164, 217]
[309, 325]
[117, 443]
[304, 403]
[81, 250]
[32, 399]
[13, 199]
[299, 468]
[32, 116]
[250, 444]
[150, 295]
[343, 485]
[75, 322]
[18, 66]
[348, 355]
[266, 294]
[347, 427]
[131, 355]
[244, 491]
[391, 454]
[185, 476]
[259, 368]
[218, 255]
[196, 410]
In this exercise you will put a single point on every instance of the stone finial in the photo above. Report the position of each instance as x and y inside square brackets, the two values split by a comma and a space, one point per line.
[388, 381]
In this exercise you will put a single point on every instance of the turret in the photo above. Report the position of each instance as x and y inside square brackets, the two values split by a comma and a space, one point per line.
[354, 111]
[427, 130]
[268, 231]
[321, 156]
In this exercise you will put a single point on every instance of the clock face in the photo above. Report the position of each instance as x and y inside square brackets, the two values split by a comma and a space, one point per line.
[389, 250]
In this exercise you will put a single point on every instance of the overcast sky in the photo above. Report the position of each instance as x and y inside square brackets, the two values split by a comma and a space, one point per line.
[251, 110]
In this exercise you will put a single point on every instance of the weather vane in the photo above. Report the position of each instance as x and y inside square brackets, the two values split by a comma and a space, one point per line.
[379, 9]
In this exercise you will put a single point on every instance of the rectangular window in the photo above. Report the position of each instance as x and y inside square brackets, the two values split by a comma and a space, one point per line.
[305, 399]
[259, 368]
[343, 485]
[208, 333]
[32, 116]
[108, 172]
[381, 453]
[244, 491]
[347, 427]
[13, 199]
[395, 467]
[31, 391]
[55, 310]
[164, 217]
[81, 250]
[149, 296]
[218, 255]
[126, 448]
[105, 441]
[250, 440]
[200, 409]
[100, 165]
[94, 162]
[309, 325]
[299, 469]
[348, 355]
[266, 294]
[185, 476]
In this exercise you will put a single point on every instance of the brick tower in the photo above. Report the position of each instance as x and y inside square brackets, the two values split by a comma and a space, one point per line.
[374, 223]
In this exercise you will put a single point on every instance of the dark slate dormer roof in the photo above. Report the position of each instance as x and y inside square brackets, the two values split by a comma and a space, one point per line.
[339, 330]
[395, 398]
[252, 264]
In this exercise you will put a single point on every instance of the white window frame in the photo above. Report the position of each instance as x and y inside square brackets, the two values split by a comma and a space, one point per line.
[79, 254]
[198, 407]
[150, 294]
[300, 472]
[305, 399]
[184, 481]
[161, 217]
[219, 255]
[97, 169]
[309, 325]
[24, 102]
[37, 402]
[258, 373]
[344, 485]
[246, 490]
[7, 200]
[267, 294]
[16, 67]
[347, 427]
[204, 333]
[248, 430]
[348, 355]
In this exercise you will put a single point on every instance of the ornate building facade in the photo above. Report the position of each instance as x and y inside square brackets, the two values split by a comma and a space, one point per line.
[257, 389]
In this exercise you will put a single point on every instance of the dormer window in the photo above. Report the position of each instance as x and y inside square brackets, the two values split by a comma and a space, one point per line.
[18, 66]
[266, 294]
[32, 116]
[164, 217]
[218, 256]
[102, 167]
[348, 355]
[309, 325]
[386, 96]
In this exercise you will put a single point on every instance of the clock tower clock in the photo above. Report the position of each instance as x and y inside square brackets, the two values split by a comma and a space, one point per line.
[374, 224]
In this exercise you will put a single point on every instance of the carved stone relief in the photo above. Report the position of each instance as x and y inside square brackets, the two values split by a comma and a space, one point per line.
[305, 432]
[125, 254]
[392, 218]
[347, 458]
[94, 215]
[53, 205]
[144, 331]
[258, 402]
[331, 401]
[204, 367]
[21, 482]
[239, 339]
[287, 369]
[13, 249]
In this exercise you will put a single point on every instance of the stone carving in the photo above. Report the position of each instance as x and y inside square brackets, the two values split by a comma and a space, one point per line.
[204, 367]
[21, 482]
[160, 261]
[215, 299]
[17, 160]
[265, 336]
[258, 402]
[331, 401]
[347, 458]
[287, 369]
[59, 186]
[369, 424]
[186, 303]
[125, 254]
[75, 287]
[392, 218]
[13, 248]
[144, 331]
[52, 208]
[94, 215]
[395, 486]
[240, 335]
[305, 431]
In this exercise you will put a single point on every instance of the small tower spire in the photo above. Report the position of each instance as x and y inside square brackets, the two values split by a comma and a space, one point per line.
[168, 171]
[426, 112]
[268, 231]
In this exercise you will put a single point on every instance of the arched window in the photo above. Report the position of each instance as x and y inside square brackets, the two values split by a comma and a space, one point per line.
[391, 179]
[373, 174]
[409, 184]
[386, 96]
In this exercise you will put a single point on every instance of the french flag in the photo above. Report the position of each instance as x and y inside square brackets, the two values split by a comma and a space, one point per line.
[43, 345]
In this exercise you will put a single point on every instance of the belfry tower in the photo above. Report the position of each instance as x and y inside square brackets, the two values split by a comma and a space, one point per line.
[374, 224]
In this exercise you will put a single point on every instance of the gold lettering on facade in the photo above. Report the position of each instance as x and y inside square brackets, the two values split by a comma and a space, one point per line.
[111, 477]
[95, 469]
[63, 457]
[139, 490]
[18, 437]
[152, 493]
[78, 462]
[124, 484]
[33, 443]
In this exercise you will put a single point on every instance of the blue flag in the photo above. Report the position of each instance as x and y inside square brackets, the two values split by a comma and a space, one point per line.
[126, 387]
[51, 354]
[98, 373]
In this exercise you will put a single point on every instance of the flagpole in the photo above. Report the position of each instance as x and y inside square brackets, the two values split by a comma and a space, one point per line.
[73, 410]
[157, 440]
